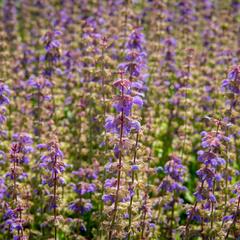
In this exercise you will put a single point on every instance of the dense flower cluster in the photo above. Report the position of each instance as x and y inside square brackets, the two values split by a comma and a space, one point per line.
[211, 175]
[232, 82]
[53, 166]
[174, 171]
[52, 48]
[84, 188]
[116, 120]
[4, 100]
[123, 123]
[15, 205]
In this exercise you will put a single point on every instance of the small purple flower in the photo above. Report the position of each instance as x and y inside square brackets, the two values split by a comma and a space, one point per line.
[228, 218]
[134, 168]
[39, 82]
[50, 41]
[84, 188]
[109, 183]
[212, 197]
[232, 82]
[174, 171]
[109, 199]
[136, 40]
[81, 206]
[4, 94]
[53, 54]
[113, 125]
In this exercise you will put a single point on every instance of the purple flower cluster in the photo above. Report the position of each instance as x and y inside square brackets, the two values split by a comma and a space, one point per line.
[210, 174]
[4, 94]
[232, 83]
[233, 202]
[125, 86]
[14, 223]
[211, 162]
[135, 55]
[187, 11]
[170, 49]
[124, 123]
[84, 188]
[39, 83]
[52, 164]
[124, 102]
[52, 48]
[3, 189]
[174, 171]
[41, 94]
[19, 156]
[233, 212]
[4, 100]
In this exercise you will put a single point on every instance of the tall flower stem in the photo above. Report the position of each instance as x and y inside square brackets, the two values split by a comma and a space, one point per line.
[212, 207]
[227, 163]
[103, 82]
[55, 200]
[192, 212]
[132, 183]
[126, 19]
[119, 170]
[185, 103]
[234, 220]
[15, 197]
[144, 216]
[105, 133]
[172, 216]
[53, 166]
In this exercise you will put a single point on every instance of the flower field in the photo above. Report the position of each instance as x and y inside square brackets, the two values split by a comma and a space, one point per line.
[119, 119]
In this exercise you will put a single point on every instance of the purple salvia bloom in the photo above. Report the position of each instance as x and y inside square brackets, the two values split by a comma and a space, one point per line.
[136, 40]
[51, 162]
[84, 188]
[4, 94]
[108, 198]
[174, 171]
[232, 82]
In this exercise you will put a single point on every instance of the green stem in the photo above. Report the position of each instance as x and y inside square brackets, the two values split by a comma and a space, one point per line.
[132, 183]
[212, 215]
[234, 220]
[119, 173]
